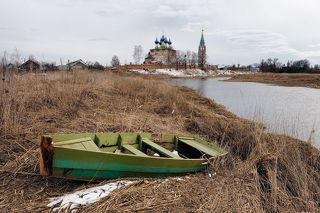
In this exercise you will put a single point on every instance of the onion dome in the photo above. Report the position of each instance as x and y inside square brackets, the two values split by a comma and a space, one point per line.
[169, 42]
[162, 39]
[156, 41]
[165, 40]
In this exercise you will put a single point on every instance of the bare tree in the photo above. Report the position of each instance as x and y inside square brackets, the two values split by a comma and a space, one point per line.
[180, 59]
[3, 65]
[137, 54]
[31, 57]
[48, 66]
[188, 57]
[194, 58]
[15, 58]
[115, 62]
[4, 60]
[98, 66]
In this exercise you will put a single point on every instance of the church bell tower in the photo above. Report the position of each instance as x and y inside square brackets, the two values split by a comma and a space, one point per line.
[202, 53]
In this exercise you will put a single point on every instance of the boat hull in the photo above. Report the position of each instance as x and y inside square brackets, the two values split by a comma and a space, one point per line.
[84, 165]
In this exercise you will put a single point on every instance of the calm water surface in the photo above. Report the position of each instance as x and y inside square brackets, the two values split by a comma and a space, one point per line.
[294, 111]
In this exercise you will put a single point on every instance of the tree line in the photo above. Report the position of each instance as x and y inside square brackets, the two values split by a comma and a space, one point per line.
[298, 66]
[183, 58]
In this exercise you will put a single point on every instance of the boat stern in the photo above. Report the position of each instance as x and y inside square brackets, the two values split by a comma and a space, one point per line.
[45, 156]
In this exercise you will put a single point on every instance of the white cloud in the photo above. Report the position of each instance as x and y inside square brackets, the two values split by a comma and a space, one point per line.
[263, 40]
[99, 39]
[98, 29]
[110, 10]
[313, 54]
[166, 11]
[191, 10]
[314, 45]
[194, 26]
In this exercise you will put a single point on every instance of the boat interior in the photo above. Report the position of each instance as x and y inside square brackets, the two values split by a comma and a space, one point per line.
[139, 144]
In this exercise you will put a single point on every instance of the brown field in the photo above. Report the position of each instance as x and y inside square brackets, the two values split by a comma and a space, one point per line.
[281, 79]
[262, 173]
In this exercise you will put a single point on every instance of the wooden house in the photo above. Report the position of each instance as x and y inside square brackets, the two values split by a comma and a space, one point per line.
[77, 65]
[10, 67]
[30, 65]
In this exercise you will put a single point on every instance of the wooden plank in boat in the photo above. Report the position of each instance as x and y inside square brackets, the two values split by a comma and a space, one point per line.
[133, 150]
[90, 146]
[167, 138]
[75, 146]
[81, 143]
[200, 147]
[160, 149]
[106, 139]
[186, 138]
[109, 149]
[69, 142]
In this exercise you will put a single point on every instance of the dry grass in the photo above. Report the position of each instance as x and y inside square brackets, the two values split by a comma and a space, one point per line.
[282, 79]
[262, 173]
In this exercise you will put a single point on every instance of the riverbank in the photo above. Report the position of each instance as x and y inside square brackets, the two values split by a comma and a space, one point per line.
[187, 73]
[262, 172]
[281, 79]
[293, 111]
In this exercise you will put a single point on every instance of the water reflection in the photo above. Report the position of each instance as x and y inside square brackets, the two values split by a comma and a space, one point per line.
[201, 86]
[291, 110]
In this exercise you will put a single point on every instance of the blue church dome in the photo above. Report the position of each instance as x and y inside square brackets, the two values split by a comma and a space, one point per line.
[165, 40]
[162, 38]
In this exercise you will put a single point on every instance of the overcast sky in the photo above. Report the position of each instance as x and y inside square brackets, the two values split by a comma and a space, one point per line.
[236, 31]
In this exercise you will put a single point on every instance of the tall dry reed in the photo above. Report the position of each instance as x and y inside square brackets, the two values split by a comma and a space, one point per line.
[263, 172]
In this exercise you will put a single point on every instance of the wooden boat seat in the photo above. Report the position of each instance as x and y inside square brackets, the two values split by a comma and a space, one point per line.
[81, 143]
[160, 149]
[199, 146]
[133, 150]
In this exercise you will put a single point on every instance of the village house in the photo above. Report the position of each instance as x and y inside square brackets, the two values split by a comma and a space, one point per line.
[30, 65]
[62, 67]
[77, 65]
[10, 67]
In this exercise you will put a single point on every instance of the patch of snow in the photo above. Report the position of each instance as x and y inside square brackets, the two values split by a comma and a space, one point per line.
[140, 71]
[84, 197]
[175, 152]
[188, 72]
[212, 175]
[174, 178]
[156, 155]
[179, 179]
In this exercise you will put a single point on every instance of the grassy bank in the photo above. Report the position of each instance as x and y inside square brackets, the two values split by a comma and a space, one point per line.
[281, 79]
[263, 172]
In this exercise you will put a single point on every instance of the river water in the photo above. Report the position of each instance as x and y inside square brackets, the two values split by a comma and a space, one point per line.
[294, 111]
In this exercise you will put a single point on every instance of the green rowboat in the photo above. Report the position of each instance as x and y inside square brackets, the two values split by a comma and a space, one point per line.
[99, 156]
